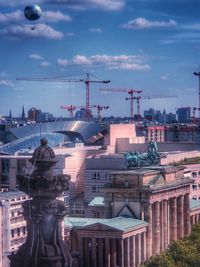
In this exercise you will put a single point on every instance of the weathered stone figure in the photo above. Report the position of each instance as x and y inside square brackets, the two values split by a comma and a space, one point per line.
[44, 213]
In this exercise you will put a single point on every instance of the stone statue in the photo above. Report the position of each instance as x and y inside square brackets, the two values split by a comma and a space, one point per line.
[44, 214]
[136, 159]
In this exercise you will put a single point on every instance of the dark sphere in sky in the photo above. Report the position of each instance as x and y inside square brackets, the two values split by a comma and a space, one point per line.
[32, 12]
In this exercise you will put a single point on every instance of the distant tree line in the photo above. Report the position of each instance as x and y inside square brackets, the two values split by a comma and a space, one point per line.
[185, 161]
[182, 253]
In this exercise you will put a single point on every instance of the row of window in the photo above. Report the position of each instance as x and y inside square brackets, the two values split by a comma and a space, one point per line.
[195, 186]
[196, 198]
[97, 175]
[18, 231]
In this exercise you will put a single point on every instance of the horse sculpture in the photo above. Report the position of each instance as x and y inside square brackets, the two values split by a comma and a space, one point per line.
[136, 159]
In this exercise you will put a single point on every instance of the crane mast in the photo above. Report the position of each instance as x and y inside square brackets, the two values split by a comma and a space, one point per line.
[124, 90]
[87, 82]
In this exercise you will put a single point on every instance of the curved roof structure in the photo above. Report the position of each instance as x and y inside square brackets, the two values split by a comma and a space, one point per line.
[57, 133]
[81, 130]
[31, 142]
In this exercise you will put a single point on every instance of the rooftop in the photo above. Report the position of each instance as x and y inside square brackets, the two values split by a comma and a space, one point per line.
[97, 201]
[123, 224]
[194, 204]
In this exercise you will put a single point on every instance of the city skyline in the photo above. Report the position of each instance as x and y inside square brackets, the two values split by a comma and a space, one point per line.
[151, 46]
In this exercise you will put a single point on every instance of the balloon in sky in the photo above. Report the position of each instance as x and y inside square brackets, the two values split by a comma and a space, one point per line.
[32, 12]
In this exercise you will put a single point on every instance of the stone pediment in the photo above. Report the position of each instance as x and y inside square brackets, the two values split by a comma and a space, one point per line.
[100, 227]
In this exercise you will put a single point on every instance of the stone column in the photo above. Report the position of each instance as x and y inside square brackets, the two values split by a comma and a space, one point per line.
[161, 226]
[173, 219]
[127, 252]
[165, 223]
[107, 252]
[113, 252]
[144, 253]
[180, 218]
[80, 243]
[148, 218]
[121, 253]
[100, 252]
[138, 246]
[86, 251]
[132, 251]
[94, 252]
[187, 226]
[156, 237]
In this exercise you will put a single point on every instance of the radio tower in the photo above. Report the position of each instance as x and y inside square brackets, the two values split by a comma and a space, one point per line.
[198, 75]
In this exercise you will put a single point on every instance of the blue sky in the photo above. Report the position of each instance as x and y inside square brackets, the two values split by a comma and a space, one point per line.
[152, 45]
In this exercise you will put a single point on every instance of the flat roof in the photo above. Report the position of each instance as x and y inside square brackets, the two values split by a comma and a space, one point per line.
[11, 194]
[121, 223]
[97, 201]
[194, 204]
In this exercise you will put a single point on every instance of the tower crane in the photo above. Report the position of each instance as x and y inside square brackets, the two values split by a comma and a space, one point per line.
[69, 108]
[121, 90]
[99, 109]
[193, 112]
[87, 82]
[198, 75]
[72, 108]
[138, 98]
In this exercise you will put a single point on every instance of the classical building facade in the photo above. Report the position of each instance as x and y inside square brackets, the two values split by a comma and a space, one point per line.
[145, 210]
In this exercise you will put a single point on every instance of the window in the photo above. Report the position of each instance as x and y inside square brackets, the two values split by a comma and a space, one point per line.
[94, 175]
[94, 188]
[12, 214]
[24, 230]
[194, 174]
[5, 166]
[12, 232]
[194, 186]
[18, 231]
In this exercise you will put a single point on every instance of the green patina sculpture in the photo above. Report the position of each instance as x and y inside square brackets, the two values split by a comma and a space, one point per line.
[136, 159]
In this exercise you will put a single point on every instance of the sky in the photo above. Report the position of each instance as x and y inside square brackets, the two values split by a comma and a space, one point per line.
[153, 46]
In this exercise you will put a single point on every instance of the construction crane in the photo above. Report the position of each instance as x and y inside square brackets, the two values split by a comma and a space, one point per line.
[87, 82]
[121, 90]
[198, 75]
[72, 108]
[138, 98]
[69, 108]
[193, 113]
[99, 109]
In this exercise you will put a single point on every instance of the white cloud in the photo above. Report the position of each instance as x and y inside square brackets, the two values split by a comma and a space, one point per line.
[55, 16]
[142, 23]
[25, 31]
[16, 16]
[35, 56]
[47, 16]
[62, 62]
[81, 60]
[165, 77]
[98, 30]
[45, 64]
[6, 83]
[123, 62]
[129, 66]
[110, 5]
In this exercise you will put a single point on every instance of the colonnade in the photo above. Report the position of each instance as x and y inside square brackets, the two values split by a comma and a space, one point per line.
[169, 219]
[195, 218]
[111, 252]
